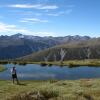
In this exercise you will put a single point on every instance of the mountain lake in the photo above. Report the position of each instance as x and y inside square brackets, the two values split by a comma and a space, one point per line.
[38, 72]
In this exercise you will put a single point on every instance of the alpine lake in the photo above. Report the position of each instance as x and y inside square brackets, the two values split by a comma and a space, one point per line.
[54, 72]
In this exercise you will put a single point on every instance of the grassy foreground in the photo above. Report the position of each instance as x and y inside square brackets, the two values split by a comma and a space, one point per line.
[85, 89]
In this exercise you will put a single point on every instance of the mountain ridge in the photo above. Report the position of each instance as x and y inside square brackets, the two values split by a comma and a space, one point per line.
[19, 45]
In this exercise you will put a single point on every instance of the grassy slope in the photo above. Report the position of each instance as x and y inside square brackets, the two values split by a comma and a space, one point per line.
[68, 90]
[74, 50]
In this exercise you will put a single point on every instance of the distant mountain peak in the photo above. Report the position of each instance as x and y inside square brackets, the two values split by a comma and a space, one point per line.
[18, 35]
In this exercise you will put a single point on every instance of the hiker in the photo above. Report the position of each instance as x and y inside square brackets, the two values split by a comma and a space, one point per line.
[14, 75]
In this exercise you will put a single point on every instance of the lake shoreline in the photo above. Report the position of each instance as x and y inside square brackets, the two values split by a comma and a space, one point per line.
[70, 63]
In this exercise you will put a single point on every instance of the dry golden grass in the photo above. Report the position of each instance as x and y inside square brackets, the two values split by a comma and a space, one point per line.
[84, 89]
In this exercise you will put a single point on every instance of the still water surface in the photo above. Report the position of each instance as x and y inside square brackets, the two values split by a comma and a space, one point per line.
[36, 72]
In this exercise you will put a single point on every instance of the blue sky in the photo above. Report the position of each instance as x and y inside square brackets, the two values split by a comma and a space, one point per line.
[50, 17]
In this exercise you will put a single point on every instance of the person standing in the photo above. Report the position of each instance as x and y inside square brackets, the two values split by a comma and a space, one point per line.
[14, 75]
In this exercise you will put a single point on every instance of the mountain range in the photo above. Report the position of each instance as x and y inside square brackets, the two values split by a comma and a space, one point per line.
[18, 45]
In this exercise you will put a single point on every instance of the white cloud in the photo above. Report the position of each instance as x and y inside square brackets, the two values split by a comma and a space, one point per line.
[23, 6]
[13, 29]
[6, 28]
[60, 13]
[34, 20]
[36, 6]
[49, 7]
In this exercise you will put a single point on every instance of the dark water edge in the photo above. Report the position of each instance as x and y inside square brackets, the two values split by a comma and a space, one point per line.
[38, 72]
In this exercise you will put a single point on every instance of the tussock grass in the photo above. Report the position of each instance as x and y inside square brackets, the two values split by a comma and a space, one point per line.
[36, 95]
[84, 89]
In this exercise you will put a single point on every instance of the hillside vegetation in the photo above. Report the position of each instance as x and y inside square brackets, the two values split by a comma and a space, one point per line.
[89, 49]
